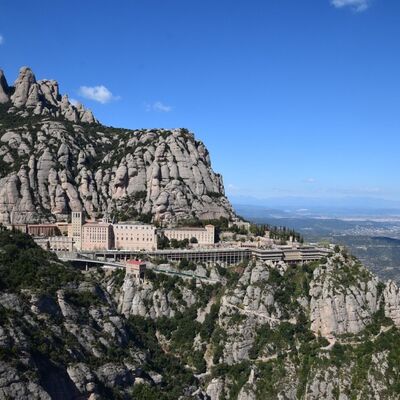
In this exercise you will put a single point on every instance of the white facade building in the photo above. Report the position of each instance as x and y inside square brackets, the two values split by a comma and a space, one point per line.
[61, 243]
[97, 236]
[204, 236]
[135, 236]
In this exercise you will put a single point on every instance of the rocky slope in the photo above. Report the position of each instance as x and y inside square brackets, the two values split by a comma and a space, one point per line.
[56, 158]
[326, 330]
[62, 337]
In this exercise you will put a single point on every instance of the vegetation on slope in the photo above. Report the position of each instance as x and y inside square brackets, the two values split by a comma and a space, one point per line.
[45, 341]
[282, 355]
[24, 265]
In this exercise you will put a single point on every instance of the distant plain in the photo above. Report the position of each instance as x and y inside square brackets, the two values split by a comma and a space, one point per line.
[372, 235]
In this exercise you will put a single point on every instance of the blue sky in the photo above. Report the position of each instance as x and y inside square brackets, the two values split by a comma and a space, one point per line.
[292, 97]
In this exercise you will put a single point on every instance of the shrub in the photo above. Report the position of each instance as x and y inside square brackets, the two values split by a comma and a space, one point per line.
[23, 264]
[83, 299]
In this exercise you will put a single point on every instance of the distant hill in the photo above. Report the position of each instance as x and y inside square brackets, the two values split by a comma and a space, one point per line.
[329, 205]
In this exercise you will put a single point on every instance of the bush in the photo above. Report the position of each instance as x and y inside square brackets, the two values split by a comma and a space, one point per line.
[175, 376]
[179, 244]
[23, 264]
[145, 392]
[208, 325]
[83, 299]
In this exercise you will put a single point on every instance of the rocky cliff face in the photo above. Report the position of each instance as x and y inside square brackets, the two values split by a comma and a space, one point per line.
[56, 158]
[326, 330]
[340, 303]
[62, 337]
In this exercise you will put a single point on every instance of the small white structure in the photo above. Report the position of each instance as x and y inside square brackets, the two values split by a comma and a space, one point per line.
[61, 243]
[55, 243]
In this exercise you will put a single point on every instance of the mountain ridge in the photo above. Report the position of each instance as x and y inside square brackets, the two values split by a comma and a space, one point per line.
[57, 158]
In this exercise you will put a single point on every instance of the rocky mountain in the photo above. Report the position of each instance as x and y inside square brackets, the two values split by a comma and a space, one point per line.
[43, 98]
[62, 337]
[56, 158]
[325, 330]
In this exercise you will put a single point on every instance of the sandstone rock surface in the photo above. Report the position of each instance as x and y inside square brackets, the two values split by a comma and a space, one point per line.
[58, 159]
[341, 304]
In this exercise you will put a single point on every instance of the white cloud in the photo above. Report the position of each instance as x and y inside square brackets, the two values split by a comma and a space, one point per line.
[356, 5]
[158, 106]
[310, 180]
[1, 39]
[97, 93]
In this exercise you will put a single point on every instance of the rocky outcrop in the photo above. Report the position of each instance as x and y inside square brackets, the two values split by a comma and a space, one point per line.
[63, 342]
[81, 337]
[392, 302]
[51, 167]
[29, 96]
[13, 387]
[250, 304]
[247, 392]
[344, 297]
[143, 299]
[263, 318]
[215, 389]
[330, 384]
[83, 378]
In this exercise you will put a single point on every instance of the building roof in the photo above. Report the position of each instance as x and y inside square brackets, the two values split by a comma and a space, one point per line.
[40, 225]
[100, 224]
[186, 229]
[135, 262]
[132, 223]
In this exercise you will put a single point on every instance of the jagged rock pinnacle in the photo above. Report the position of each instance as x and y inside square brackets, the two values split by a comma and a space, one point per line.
[41, 98]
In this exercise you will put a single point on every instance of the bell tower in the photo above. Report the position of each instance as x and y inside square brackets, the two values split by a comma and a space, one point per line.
[77, 222]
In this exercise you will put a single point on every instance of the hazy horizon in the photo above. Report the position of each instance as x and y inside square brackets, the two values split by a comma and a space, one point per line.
[349, 202]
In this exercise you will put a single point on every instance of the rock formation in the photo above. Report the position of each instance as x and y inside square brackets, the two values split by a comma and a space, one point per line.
[324, 330]
[340, 304]
[281, 331]
[56, 159]
[29, 96]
